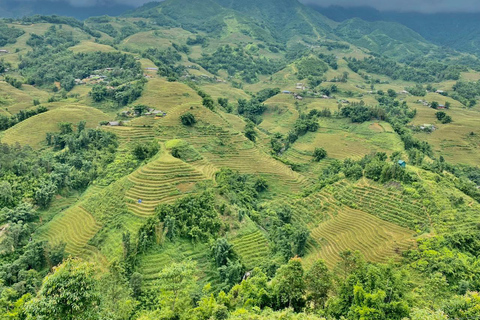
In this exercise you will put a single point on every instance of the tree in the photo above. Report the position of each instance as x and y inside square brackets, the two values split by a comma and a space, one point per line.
[98, 93]
[319, 154]
[140, 109]
[176, 282]
[443, 117]
[318, 282]
[69, 293]
[208, 102]
[188, 119]
[223, 102]
[44, 195]
[116, 298]
[391, 93]
[289, 286]
[434, 105]
[6, 194]
[222, 251]
[250, 132]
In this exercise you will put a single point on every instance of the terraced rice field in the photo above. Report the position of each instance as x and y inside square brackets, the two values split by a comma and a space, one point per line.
[252, 248]
[152, 263]
[352, 229]
[158, 182]
[140, 132]
[336, 227]
[241, 155]
[388, 205]
[75, 227]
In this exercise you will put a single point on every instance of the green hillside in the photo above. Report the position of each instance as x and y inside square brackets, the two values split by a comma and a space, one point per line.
[221, 159]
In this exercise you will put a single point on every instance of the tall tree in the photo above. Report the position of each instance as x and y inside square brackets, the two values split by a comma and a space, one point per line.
[289, 286]
[69, 293]
[318, 283]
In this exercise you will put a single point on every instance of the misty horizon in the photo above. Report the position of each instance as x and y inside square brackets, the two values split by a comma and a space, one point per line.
[403, 6]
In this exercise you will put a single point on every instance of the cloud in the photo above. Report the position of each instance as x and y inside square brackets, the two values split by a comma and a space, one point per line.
[93, 3]
[426, 6]
[429, 6]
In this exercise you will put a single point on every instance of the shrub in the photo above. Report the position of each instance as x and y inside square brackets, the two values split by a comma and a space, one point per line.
[188, 119]
[319, 154]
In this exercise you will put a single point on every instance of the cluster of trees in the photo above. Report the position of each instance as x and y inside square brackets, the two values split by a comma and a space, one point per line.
[3, 66]
[7, 122]
[238, 62]
[251, 109]
[51, 61]
[122, 95]
[35, 176]
[305, 123]
[198, 40]
[418, 90]
[84, 153]
[103, 24]
[466, 92]
[167, 62]
[14, 82]
[329, 59]
[144, 151]
[9, 35]
[55, 37]
[193, 217]
[443, 117]
[359, 112]
[426, 71]
[311, 67]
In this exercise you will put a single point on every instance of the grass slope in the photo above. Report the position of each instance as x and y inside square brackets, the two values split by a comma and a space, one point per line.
[33, 130]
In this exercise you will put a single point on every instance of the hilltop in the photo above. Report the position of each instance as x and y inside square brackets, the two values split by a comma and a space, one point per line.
[220, 159]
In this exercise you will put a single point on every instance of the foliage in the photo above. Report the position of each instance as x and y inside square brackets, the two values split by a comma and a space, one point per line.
[319, 154]
[176, 283]
[421, 71]
[7, 122]
[310, 67]
[14, 82]
[144, 151]
[68, 293]
[466, 92]
[250, 132]
[9, 35]
[238, 63]
[166, 61]
[443, 117]
[240, 189]
[289, 286]
[194, 217]
[51, 61]
[188, 119]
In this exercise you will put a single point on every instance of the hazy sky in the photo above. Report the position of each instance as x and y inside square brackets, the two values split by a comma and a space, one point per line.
[401, 5]
[429, 6]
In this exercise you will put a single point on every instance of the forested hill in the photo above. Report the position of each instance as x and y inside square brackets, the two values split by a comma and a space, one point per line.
[284, 21]
[459, 31]
[280, 20]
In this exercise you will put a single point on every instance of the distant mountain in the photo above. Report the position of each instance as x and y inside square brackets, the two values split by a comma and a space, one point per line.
[282, 21]
[388, 38]
[18, 9]
[275, 19]
[460, 31]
